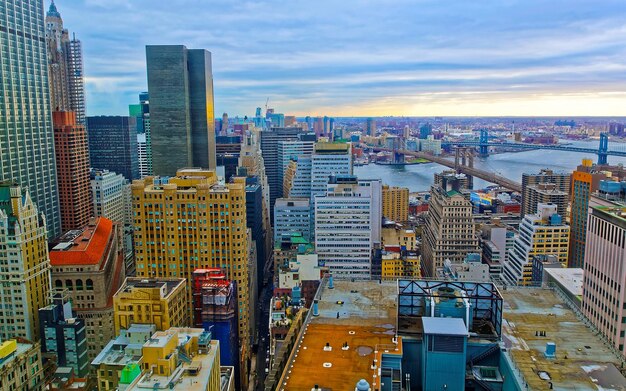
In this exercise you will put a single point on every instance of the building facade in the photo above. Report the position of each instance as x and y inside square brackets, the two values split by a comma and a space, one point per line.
[561, 180]
[20, 366]
[292, 216]
[113, 145]
[72, 157]
[604, 297]
[193, 203]
[26, 131]
[159, 301]
[180, 84]
[24, 246]
[449, 230]
[545, 193]
[540, 234]
[141, 112]
[327, 160]
[348, 225]
[89, 264]
[396, 203]
[290, 150]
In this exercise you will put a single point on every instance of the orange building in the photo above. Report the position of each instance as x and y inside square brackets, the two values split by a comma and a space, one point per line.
[89, 264]
[72, 157]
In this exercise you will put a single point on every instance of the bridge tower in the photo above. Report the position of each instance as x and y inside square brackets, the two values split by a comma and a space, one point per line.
[603, 148]
[483, 143]
[397, 156]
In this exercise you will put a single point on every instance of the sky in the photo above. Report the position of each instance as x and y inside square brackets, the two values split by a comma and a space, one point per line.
[367, 58]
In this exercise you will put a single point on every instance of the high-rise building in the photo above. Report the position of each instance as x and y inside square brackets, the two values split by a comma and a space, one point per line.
[289, 150]
[544, 193]
[318, 126]
[586, 179]
[63, 335]
[396, 203]
[162, 302]
[561, 180]
[269, 140]
[27, 136]
[370, 127]
[215, 309]
[141, 112]
[297, 178]
[65, 67]
[24, 246]
[451, 180]
[449, 230]
[292, 216]
[348, 222]
[327, 160]
[113, 145]
[180, 84]
[255, 222]
[72, 157]
[89, 264]
[542, 233]
[604, 280]
[496, 241]
[111, 196]
[193, 203]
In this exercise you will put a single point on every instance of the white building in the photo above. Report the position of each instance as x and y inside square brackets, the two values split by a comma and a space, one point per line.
[292, 216]
[291, 149]
[540, 233]
[111, 196]
[300, 186]
[304, 268]
[348, 225]
[329, 159]
[431, 145]
[145, 167]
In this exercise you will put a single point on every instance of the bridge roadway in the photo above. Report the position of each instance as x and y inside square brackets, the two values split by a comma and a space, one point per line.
[475, 172]
[554, 147]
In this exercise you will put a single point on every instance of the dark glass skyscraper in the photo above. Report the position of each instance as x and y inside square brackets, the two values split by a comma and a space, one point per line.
[180, 84]
[26, 132]
[113, 144]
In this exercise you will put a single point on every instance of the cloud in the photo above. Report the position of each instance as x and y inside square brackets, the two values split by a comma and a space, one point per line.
[370, 57]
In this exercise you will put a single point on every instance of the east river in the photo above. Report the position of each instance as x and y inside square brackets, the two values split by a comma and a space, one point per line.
[419, 177]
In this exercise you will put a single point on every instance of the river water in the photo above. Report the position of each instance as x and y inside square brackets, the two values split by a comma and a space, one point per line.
[419, 177]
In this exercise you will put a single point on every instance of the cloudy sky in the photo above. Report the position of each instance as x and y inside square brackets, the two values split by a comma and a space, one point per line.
[369, 58]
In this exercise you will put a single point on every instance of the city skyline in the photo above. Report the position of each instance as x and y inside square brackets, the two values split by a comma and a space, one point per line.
[482, 59]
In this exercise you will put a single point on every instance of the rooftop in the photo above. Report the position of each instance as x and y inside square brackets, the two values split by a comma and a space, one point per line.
[444, 326]
[582, 361]
[168, 285]
[367, 319]
[86, 246]
[569, 278]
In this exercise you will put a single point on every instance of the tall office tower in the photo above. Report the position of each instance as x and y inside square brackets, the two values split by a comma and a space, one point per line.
[277, 120]
[269, 140]
[141, 112]
[297, 180]
[586, 179]
[63, 335]
[292, 216]
[425, 131]
[27, 136]
[215, 309]
[24, 246]
[113, 145]
[89, 264]
[449, 230]
[70, 144]
[543, 233]
[224, 128]
[496, 240]
[65, 67]
[329, 159]
[171, 204]
[255, 217]
[603, 284]
[326, 125]
[318, 126]
[562, 181]
[292, 149]
[180, 84]
[162, 302]
[545, 193]
[370, 127]
[396, 203]
[348, 225]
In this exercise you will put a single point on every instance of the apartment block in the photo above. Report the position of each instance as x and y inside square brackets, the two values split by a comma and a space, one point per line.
[396, 203]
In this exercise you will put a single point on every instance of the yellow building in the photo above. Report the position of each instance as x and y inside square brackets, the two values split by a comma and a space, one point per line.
[24, 246]
[290, 173]
[20, 366]
[180, 359]
[398, 236]
[396, 203]
[191, 222]
[395, 266]
[159, 301]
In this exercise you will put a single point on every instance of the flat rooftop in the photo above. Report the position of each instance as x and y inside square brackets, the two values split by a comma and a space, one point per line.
[367, 322]
[136, 282]
[582, 360]
[570, 278]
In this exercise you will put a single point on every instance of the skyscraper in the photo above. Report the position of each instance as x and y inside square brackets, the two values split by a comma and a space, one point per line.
[65, 66]
[141, 112]
[24, 246]
[70, 144]
[113, 145]
[180, 84]
[370, 127]
[26, 134]
[561, 180]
